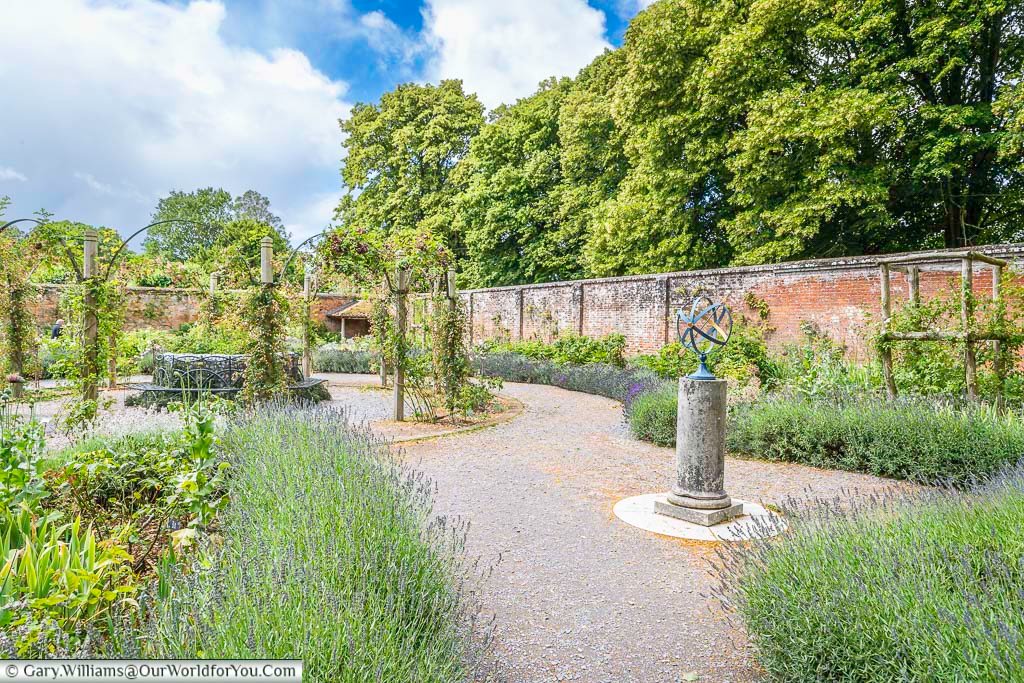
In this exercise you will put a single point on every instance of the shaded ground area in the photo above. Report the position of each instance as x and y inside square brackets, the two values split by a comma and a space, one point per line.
[579, 595]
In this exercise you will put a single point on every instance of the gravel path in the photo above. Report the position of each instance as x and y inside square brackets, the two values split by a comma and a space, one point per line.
[579, 595]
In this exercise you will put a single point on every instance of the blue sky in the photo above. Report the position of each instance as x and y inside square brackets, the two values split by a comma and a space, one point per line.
[126, 100]
[341, 56]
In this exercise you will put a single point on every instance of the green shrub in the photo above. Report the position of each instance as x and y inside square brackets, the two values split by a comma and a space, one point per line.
[340, 358]
[58, 583]
[653, 416]
[742, 359]
[134, 349]
[619, 383]
[571, 349]
[908, 439]
[21, 463]
[330, 555]
[223, 337]
[893, 590]
[819, 368]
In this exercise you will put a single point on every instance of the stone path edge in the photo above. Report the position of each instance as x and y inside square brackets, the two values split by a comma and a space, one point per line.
[514, 408]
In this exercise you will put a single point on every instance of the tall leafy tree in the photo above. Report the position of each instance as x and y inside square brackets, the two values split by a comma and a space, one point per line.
[207, 210]
[510, 209]
[253, 206]
[668, 209]
[592, 157]
[400, 157]
[209, 213]
[881, 134]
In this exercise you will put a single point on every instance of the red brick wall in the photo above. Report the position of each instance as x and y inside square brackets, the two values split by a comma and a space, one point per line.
[840, 296]
[157, 307]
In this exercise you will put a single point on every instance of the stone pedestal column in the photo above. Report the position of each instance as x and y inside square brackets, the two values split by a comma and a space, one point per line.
[699, 495]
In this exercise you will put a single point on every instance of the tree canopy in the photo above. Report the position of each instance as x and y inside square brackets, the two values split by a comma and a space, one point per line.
[215, 221]
[721, 132]
[401, 154]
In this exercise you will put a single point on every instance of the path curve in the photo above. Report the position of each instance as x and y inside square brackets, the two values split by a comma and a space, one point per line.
[579, 595]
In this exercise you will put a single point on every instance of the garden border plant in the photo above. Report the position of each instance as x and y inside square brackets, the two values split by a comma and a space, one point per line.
[920, 586]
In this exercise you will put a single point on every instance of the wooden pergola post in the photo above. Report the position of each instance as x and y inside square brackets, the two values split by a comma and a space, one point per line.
[90, 317]
[967, 334]
[890, 382]
[966, 320]
[307, 354]
[402, 291]
[997, 345]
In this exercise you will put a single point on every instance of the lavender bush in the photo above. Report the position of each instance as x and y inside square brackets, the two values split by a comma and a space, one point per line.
[917, 439]
[620, 383]
[894, 588]
[331, 554]
[337, 358]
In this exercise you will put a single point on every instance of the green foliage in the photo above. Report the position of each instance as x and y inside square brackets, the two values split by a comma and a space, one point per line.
[570, 349]
[932, 367]
[399, 159]
[905, 588]
[818, 368]
[207, 210]
[135, 349]
[219, 231]
[264, 316]
[744, 359]
[451, 367]
[509, 213]
[95, 304]
[338, 552]
[18, 336]
[337, 358]
[720, 132]
[59, 574]
[21, 463]
[910, 439]
[653, 415]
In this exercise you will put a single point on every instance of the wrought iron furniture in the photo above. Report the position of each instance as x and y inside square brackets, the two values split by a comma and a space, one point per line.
[178, 374]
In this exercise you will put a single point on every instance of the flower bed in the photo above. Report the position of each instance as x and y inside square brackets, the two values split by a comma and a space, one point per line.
[898, 589]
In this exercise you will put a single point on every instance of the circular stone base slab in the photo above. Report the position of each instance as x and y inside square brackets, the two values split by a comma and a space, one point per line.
[756, 522]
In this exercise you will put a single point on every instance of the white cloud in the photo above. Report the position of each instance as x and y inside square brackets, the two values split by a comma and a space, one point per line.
[313, 216]
[7, 173]
[90, 180]
[148, 97]
[503, 49]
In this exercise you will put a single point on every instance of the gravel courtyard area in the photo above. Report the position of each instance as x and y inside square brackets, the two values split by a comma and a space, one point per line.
[578, 594]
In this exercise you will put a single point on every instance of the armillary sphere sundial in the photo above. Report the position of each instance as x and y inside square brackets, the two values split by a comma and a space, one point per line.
[705, 329]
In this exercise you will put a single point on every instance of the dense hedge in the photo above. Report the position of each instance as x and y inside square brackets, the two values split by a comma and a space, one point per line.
[568, 350]
[909, 439]
[653, 416]
[898, 589]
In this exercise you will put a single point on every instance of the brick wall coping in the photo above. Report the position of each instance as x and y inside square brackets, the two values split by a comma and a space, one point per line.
[1007, 251]
[187, 290]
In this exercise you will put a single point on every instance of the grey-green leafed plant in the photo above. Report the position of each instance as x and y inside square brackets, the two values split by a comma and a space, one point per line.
[330, 554]
[901, 587]
[915, 439]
